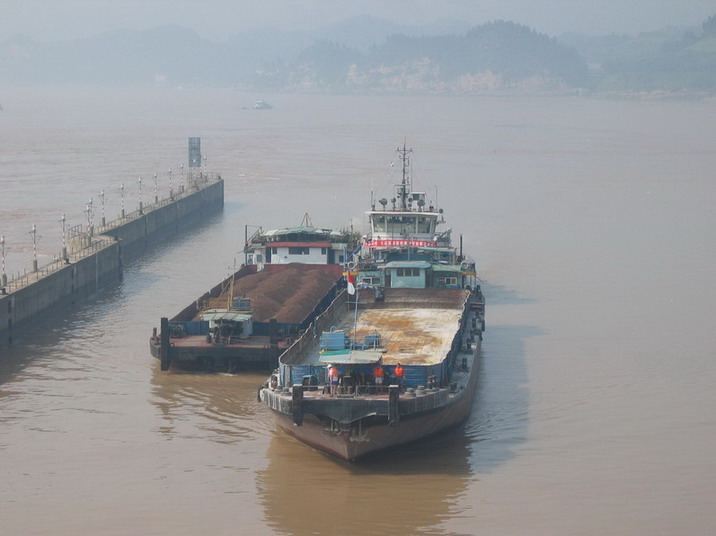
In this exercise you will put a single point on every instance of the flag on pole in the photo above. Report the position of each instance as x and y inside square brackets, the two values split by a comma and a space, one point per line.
[351, 283]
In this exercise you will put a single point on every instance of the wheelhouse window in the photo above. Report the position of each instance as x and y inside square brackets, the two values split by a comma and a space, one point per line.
[401, 224]
[298, 251]
[424, 225]
[378, 224]
[408, 272]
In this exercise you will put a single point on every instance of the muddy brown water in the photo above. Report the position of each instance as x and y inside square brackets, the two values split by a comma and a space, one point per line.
[593, 226]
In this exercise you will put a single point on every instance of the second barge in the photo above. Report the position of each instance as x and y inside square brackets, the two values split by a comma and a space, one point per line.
[291, 275]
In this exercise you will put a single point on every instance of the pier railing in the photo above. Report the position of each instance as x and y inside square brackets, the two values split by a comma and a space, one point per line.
[19, 281]
[86, 241]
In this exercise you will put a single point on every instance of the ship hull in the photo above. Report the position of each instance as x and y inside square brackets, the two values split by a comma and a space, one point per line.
[376, 434]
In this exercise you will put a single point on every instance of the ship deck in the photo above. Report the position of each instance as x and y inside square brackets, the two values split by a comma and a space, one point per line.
[409, 336]
[286, 292]
[249, 343]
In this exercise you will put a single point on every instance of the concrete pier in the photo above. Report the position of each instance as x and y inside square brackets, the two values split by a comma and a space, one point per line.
[94, 259]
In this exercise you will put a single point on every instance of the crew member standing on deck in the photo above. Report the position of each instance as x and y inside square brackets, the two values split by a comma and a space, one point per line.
[399, 373]
[378, 374]
[333, 379]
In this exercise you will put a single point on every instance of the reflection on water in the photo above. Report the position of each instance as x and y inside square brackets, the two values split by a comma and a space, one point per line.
[413, 489]
[404, 492]
[498, 424]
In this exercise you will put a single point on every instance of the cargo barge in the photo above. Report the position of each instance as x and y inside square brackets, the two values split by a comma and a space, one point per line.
[289, 277]
[394, 358]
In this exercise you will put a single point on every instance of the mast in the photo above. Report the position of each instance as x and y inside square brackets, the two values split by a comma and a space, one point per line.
[403, 188]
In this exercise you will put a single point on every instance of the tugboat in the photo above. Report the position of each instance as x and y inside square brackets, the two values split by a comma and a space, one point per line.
[401, 343]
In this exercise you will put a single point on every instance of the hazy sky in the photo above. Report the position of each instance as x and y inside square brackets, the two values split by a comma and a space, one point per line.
[216, 19]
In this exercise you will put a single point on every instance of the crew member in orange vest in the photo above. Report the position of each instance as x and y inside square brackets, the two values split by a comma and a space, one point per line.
[399, 373]
[333, 379]
[378, 374]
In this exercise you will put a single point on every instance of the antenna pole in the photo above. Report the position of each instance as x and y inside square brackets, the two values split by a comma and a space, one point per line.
[406, 179]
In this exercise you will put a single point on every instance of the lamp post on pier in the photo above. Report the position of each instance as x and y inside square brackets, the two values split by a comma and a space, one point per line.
[171, 192]
[90, 218]
[139, 181]
[156, 194]
[34, 247]
[101, 198]
[121, 192]
[182, 178]
[3, 278]
[64, 240]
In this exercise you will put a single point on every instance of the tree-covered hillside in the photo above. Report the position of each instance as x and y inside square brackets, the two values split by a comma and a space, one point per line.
[497, 55]
[671, 60]
[370, 55]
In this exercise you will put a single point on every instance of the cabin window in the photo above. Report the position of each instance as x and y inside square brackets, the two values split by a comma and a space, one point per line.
[259, 259]
[401, 224]
[274, 251]
[424, 225]
[298, 251]
[379, 224]
[408, 272]
[324, 251]
[446, 280]
[370, 280]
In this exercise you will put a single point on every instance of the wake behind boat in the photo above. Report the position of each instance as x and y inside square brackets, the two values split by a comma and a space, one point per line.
[402, 341]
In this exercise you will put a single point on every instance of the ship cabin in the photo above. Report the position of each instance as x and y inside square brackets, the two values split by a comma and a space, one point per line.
[305, 244]
[226, 325]
[405, 249]
[416, 273]
[410, 225]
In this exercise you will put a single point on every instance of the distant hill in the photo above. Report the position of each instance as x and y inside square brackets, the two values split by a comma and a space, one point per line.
[493, 56]
[373, 55]
[671, 60]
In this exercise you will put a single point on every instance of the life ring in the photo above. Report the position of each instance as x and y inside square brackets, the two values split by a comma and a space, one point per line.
[351, 265]
[464, 265]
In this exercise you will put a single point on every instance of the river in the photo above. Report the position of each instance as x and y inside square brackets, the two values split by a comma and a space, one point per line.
[593, 225]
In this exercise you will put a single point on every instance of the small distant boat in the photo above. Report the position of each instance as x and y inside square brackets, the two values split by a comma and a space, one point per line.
[262, 105]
